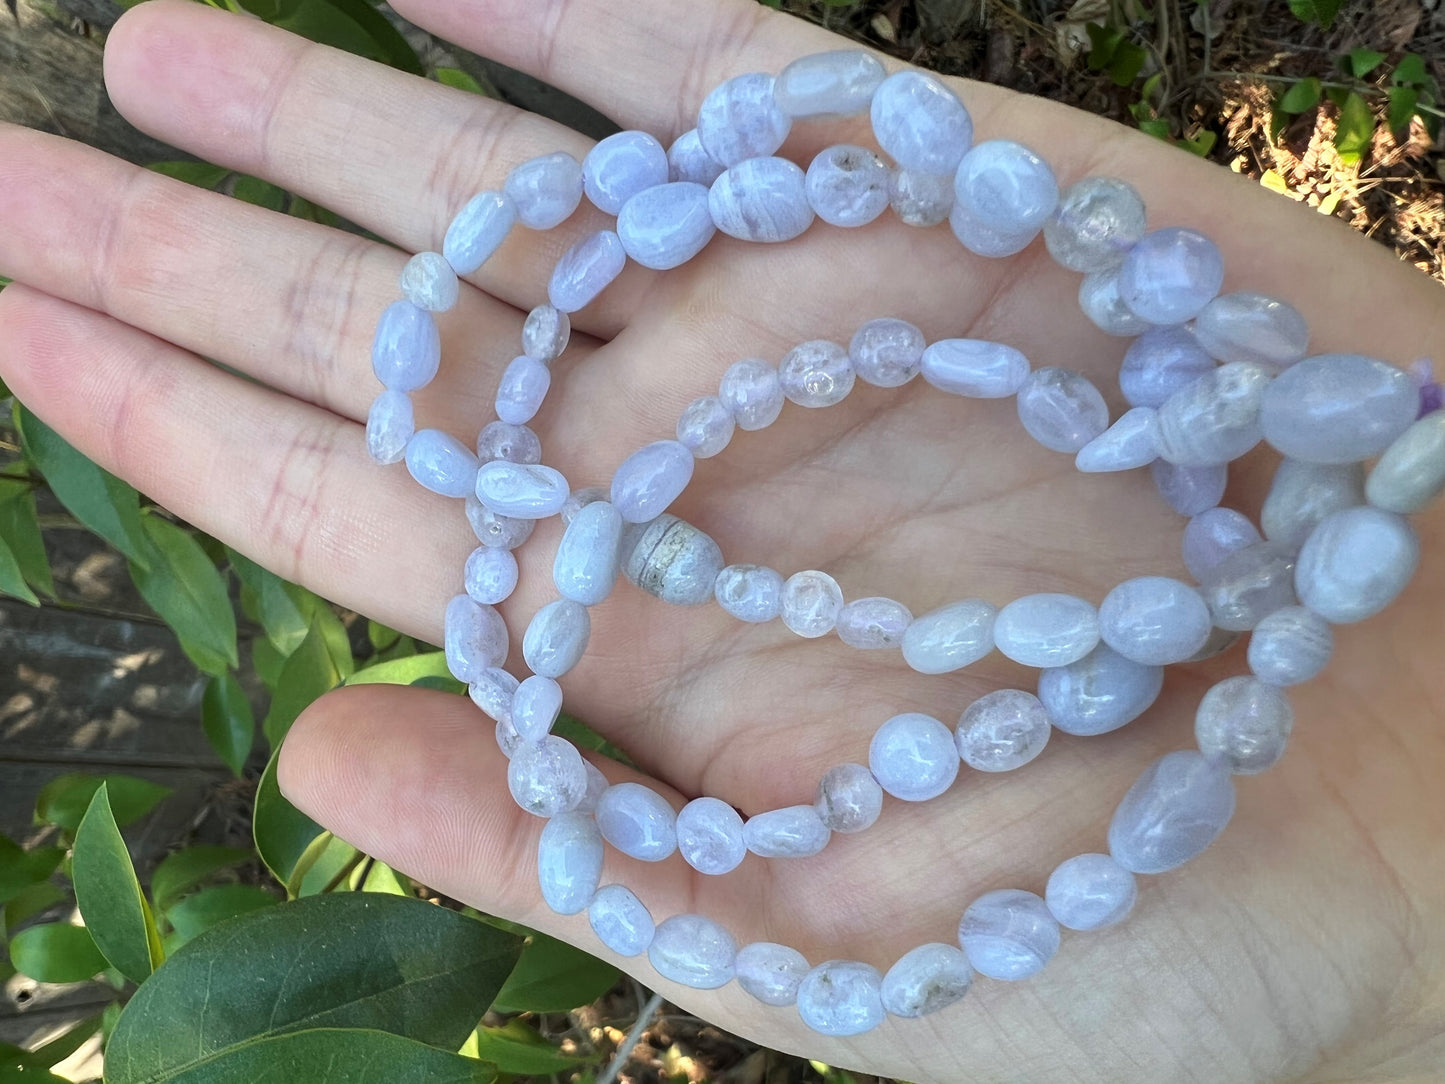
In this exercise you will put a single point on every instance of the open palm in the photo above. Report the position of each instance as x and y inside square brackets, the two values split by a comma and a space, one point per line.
[1307, 940]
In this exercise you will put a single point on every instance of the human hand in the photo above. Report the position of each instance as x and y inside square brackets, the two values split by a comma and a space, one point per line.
[1307, 941]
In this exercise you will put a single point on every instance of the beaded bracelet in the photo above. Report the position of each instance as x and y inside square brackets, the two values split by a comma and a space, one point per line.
[1207, 377]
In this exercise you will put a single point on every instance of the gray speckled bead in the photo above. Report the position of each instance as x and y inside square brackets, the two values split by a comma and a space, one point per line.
[429, 282]
[547, 778]
[1338, 408]
[390, 423]
[920, 123]
[688, 160]
[771, 972]
[795, 831]
[650, 479]
[1170, 275]
[1061, 409]
[514, 443]
[761, 199]
[1302, 494]
[589, 554]
[666, 225]
[751, 391]
[545, 333]
[816, 373]
[493, 692]
[556, 637]
[1101, 692]
[975, 368]
[1213, 535]
[1253, 328]
[406, 348]
[913, 757]
[1100, 301]
[920, 199]
[621, 921]
[1154, 620]
[849, 799]
[1411, 473]
[1249, 584]
[672, 560]
[811, 601]
[1175, 809]
[841, 997]
[1160, 363]
[1290, 646]
[1003, 194]
[478, 230]
[1008, 934]
[535, 707]
[1098, 220]
[545, 190]
[847, 185]
[579, 499]
[926, 979]
[694, 951]
[1243, 723]
[832, 84]
[523, 386]
[521, 490]
[739, 119]
[873, 623]
[1002, 730]
[1190, 490]
[474, 638]
[705, 426]
[710, 836]
[950, 637]
[1048, 629]
[585, 270]
[1215, 419]
[637, 821]
[887, 352]
[501, 532]
[619, 167]
[1355, 563]
[750, 593]
[1090, 891]
[1132, 441]
[490, 575]
[569, 862]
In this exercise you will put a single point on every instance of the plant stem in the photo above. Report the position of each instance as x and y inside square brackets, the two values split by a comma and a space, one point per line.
[343, 873]
[1331, 84]
[624, 1052]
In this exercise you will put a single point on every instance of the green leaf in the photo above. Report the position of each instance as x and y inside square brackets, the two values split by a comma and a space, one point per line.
[1401, 109]
[455, 77]
[287, 612]
[228, 721]
[109, 896]
[403, 671]
[352, 25]
[64, 800]
[1301, 96]
[282, 832]
[1320, 12]
[200, 174]
[27, 903]
[1410, 72]
[261, 193]
[190, 595]
[20, 530]
[12, 580]
[382, 878]
[1158, 128]
[1363, 61]
[56, 952]
[197, 913]
[1201, 142]
[20, 868]
[552, 976]
[267, 663]
[1126, 63]
[306, 674]
[584, 737]
[347, 960]
[1104, 41]
[516, 1048]
[323, 861]
[182, 870]
[1355, 129]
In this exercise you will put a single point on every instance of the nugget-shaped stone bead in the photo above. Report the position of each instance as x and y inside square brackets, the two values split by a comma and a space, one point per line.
[585, 270]
[1355, 563]
[671, 560]
[694, 951]
[761, 199]
[816, 373]
[1243, 723]
[429, 282]
[500, 532]
[1047, 629]
[620, 920]
[1090, 891]
[974, 367]
[1002, 730]
[619, 167]
[796, 831]
[1132, 441]
[1160, 363]
[547, 778]
[847, 185]
[521, 490]
[1290, 646]
[508, 740]
[833, 84]
[545, 333]
[589, 554]
[523, 386]
[1249, 584]
[1213, 535]
[650, 479]
[841, 997]
[441, 463]
[887, 352]
[1008, 934]
[1061, 409]
[705, 426]
[811, 601]
[1190, 490]
[1101, 692]
[666, 225]
[926, 979]
[950, 637]
[771, 972]
[478, 231]
[920, 123]
[1338, 408]
[1003, 194]
[873, 623]
[1175, 809]
[569, 862]
[637, 821]
[490, 575]
[849, 799]
[749, 592]
[1097, 222]
[1302, 494]
[1411, 473]
[739, 119]
[494, 692]
[406, 350]
[1253, 328]
[710, 836]
[1215, 419]
[475, 638]
[535, 707]
[1170, 275]
[1100, 301]
[920, 199]
[1154, 620]
[913, 757]
[390, 423]
[597, 784]
[688, 160]
[751, 390]
[556, 637]
[514, 443]
[545, 190]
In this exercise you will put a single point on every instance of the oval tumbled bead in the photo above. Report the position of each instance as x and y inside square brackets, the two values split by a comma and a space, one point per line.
[585, 270]
[1290, 646]
[1190, 490]
[1061, 409]
[771, 972]
[1355, 563]
[650, 479]
[665, 226]
[1175, 809]
[920, 123]
[693, 950]
[619, 167]
[975, 368]
[1249, 584]
[1243, 724]
[390, 424]
[1170, 275]
[620, 920]
[589, 554]
[1411, 473]
[569, 862]
[926, 979]
[750, 593]
[521, 490]
[548, 777]
[1097, 222]
[475, 638]
[816, 373]
[792, 832]
[523, 386]
[1008, 934]
[1090, 891]
[1003, 194]
[1302, 494]
[1215, 419]
[873, 623]
[1212, 536]
[637, 821]
[761, 199]
[950, 637]
[1101, 692]
[710, 836]
[545, 190]
[838, 83]
[688, 160]
[847, 185]
[1337, 408]
[672, 560]
[478, 230]
[1048, 629]
[739, 119]
[1100, 301]
[841, 997]
[1253, 328]
[849, 799]
[406, 350]
[1160, 363]
[913, 757]
[1002, 730]
[556, 637]
[1155, 620]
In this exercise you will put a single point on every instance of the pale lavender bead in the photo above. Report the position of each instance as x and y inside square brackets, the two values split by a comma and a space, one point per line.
[1190, 490]
[620, 920]
[920, 123]
[950, 637]
[705, 426]
[1047, 629]
[739, 119]
[770, 972]
[478, 231]
[650, 479]
[1411, 473]
[1097, 222]
[1213, 535]
[429, 282]
[1170, 275]
[493, 692]
[1355, 563]
[1253, 328]
[672, 560]
[751, 391]
[390, 423]
[665, 226]
[490, 575]
[849, 799]
[1215, 419]
[535, 707]
[913, 757]
[475, 638]
[832, 84]
[749, 592]
[794, 831]
[761, 199]
[1003, 194]
[501, 532]
[1159, 363]
[873, 623]
[1154, 620]
[1243, 723]
[694, 951]
[548, 777]
[619, 167]
[1090, 892]
[1175, 809]
[1132, 441]
[521, 490]
[920, 199]
[1100, 301]
[710, 836]
[1338, 408]
[1302, 494]
[975, 368]
[545, 190]
[688, 160]
[580, 499]
[847, 185]
[811, 601]
[569, 862]
[1248, 585]
[887, 352]
[1008, 934]
[637, 821]
[520, 393]
[589, 555]
[1101, 692]
[441, 463]
[514, 443]
[585, 270]
[1061, 409]
[545, 333]
[1289, 646]
[597, 784]
[1002, 730]
[816, 373]
[406, 350]
[926, 979]
[508, 740]
[841, 997]
[556, 637]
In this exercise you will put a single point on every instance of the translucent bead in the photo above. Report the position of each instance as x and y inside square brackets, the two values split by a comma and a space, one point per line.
[1175, 809]
[1100, 301]
[514, 443]
[1220, 641]
[1252, 328]
[795, 831]
[749, 592]
[1090, 891]
[1003, 194]
[920, 123]
[886, 352]
[817, 373]
[1101, 692]
[619, 167]
[585, 270]
[1290, 646]
[913, 757]
[950, 637]
[475, 638]
[620, 920]
[441, 463]
[739, 119]
[705, 427]
[1132, 441]
[710, 836]
[478, 231]
[490, 575]
[847, 185]
[1215, 419]
[569, 862]
[1190, 490]
[750, 389]
[508, 740]
[545, 333]
[429, 282]
[589, 555]
[1160, 363]
[920, 199]
[1248, 585]
[547, 778]
[694, 951]
[390, 423]
[688, 160]
[1302, 494]
[672, 560]
[637, 821]
[841, 997]
[770, 972]
[1002, 730]
[975, 368]
[832, 84]
[501, 532]
[1008, 934]
[1154, 620]
[521, 490]
[580, 499]
[666, 225]
[811, 602]
[1170, 275]
[556, 637]
[873, 623]
[1061, 409]
[849, 799]
[406, 350]
[1243, 723]
[926, 979]
[597, 785]
[1411, 473]
[493, 691]
[1046, 629]
[650, 479]
[1356, 563]
[523, 386]
[1097, 222]
[1338, 408]
[761, 199]
[535, 707]
[545, 190]
[1213, 535]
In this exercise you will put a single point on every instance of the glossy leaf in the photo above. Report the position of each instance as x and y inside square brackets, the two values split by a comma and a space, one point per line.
[307, 673]
[382, 878]
[12, 580]
[20, 530]
[56, 952]
[183, 870]
[1355, 129]
[403, 671]
[1126, 63]
[552, 976]
[20, 868]
[1363, 61]
[354, 26]
[267, 663]
[190, 595]
[109, 896]
[261, 193]
[228, 721]
[1401, 110]
[281, 831]
[1320, 12]
[1301, 96]
[328, 859]
[64, 800]
[1410, 72]
[200, 174]
[517, 1048]
[197, 913]
[287, 612]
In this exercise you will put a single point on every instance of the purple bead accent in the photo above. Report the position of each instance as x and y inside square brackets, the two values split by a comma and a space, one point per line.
[524, 385]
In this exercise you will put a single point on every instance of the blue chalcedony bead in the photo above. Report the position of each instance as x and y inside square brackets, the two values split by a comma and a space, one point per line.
[752, 392]
[1355, 563]
[848, 799]
[1154, 620]
[441, 463]
[1090, 891]
[474, 638]
[390, 423]
[795, 831]
[1170, 275]
[523, 386]
[847, 185]
[873, 623]
[585, 270]
[841, 997]
[619, 167]
[1290, 645]
[1190, 490]
[545, 190]
[771, 972]
[569, 862]
[1002, 730]
[1243, 723]
[1100, 301]
[975, 368]
[1003, 194]
[589, 554]
[498, 532]
[816, 373]
[1215, 419]
[650, 479]
[886, 352]
[545, 333]
[926, 979]
[920, 123]
[535, 706]
[514, 443]
[950, 637]
[429, 282]
[1061, 409]
[1096, 223]
[761, 199]
[637, 821]
[1175, 809]
[1213, 535]
[521, 490]
[1249, 584]
[407, 348]
[1160, 362]
[913, 757]
[920, 199]
[688, 160]
[705, 426]
[693, 950]
[1132, 441]
[556, 637]
[548, 777]
[1047, 629]
[1253, 328]
[739, 119]
[750, 592]
[1008, 934]
[1338, 408]
[620, 920]
[838, 84]
[710, 836]
[666, 225]
[478, 231]
[1101, 692]
[490, 575]
[1302, 494]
